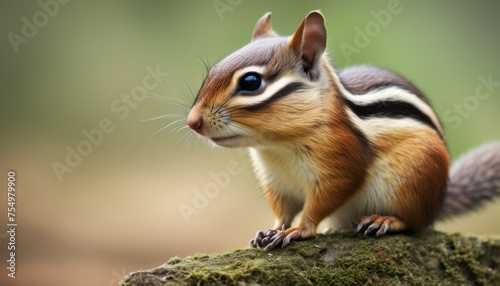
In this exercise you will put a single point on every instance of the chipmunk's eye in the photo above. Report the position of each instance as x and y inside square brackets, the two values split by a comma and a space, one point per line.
[250, 82]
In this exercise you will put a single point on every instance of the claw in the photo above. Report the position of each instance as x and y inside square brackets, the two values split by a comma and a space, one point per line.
[371, 228]
[275, 241]
[293, 235]
[381, 224]
[383, 229]
[269, 247]
[362, 225]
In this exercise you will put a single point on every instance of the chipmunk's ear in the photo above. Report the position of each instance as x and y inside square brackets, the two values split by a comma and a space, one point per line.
[263, 27]
[310, 39]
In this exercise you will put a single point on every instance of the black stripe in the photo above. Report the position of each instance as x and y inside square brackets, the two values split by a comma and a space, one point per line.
[391, 109]
[286, 90]
[273, 76]
[364, 142]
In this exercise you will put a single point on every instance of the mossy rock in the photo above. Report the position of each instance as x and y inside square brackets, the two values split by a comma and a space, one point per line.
[431, 258]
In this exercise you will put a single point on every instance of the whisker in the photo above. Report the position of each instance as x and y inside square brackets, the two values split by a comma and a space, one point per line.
[166, 126]
[177, 129]
[191, 91]
[187, 96]
[205, 67]
[169, 99]
[221, 105]
[162, 116]
[188, 137]
[204, 62]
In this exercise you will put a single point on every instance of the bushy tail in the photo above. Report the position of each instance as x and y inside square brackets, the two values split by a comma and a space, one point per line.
[474, 180]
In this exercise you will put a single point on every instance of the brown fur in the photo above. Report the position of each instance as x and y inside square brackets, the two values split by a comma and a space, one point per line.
[284, 208]
[421, 162]
[342, 162]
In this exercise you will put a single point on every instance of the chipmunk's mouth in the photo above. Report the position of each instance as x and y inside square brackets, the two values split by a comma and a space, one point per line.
[227, 141]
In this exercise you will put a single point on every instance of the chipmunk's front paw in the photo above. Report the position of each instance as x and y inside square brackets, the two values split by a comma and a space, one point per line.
[273, 238]
[283, 238]
[262, 239]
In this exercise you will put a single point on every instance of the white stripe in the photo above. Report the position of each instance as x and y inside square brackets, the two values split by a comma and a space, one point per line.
[394, 93]
[375, 126]
[269, 90]
[240, 72]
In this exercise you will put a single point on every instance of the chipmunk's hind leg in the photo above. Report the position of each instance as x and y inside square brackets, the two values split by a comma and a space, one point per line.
[380, 224]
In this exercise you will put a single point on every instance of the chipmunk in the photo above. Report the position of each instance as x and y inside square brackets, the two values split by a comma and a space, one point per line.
[358, 145]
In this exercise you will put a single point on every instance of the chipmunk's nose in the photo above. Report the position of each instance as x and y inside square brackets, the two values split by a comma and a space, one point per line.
[195, 122]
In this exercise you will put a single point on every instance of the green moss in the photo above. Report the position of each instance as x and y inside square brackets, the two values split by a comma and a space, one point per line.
[431, 258]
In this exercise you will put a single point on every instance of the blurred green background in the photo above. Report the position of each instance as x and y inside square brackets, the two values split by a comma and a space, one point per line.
[69, 66]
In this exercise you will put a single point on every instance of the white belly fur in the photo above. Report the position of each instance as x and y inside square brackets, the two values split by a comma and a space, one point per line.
[377, 196]
[284, 172]
[296, 178]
